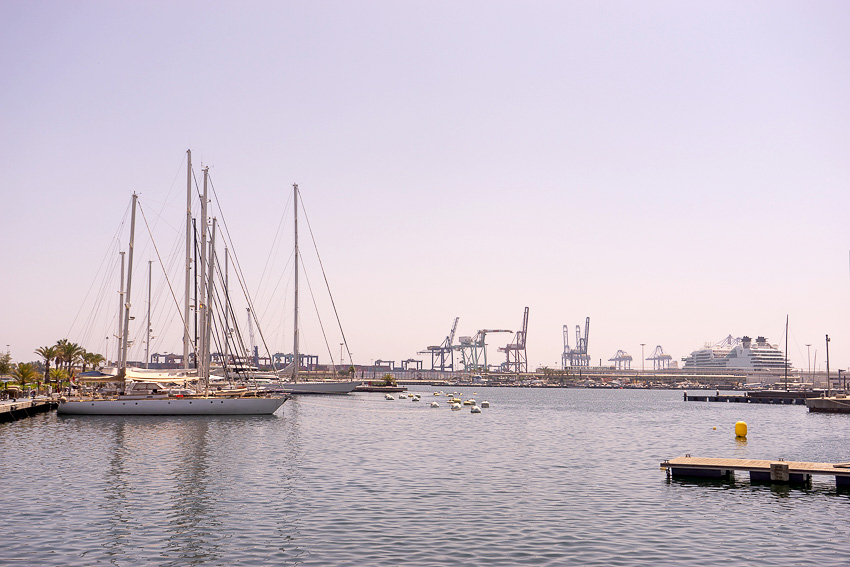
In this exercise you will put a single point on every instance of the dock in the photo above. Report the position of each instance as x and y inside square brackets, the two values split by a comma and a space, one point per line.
[756, 397]
[13, 410]
[780, 471]
[837, 404]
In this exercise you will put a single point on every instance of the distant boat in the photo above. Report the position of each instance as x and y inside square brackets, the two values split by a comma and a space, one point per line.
[170, 393]
[294, 386]
[330, 387]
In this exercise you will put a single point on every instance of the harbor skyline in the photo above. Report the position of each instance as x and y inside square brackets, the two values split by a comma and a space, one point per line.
[677, 173]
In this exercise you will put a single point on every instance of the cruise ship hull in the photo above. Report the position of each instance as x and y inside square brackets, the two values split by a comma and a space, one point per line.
[173, 406]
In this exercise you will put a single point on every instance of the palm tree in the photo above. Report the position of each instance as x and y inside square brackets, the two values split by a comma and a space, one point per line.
[92, 358]
[59, 376]
[48, 353]
[25, 373]
[69, 353]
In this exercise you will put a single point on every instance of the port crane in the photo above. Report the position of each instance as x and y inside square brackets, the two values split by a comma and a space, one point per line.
[442, 355]
[515, 354]
[473, 350]
[576, 356]
[660, 359]
[622, 360]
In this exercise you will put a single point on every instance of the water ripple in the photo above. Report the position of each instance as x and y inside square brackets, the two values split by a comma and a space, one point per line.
[544, 477]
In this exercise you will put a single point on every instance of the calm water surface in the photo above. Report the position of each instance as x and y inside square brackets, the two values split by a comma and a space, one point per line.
[544, 477]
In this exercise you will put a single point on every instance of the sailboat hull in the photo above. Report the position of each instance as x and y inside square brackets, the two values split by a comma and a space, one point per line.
[174, 406]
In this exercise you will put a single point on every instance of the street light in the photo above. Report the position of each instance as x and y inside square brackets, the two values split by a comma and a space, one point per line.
[641, 356]
[828, 384]
[809, 355]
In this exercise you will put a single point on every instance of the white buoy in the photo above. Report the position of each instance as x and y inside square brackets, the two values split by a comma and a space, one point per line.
[455, 406]
[389, 397]
[485, 404]
[402, 396]
[435, 405]
[475, 409]
[414, 399]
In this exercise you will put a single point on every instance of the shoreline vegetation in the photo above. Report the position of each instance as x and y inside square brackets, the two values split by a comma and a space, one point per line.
[56, 370]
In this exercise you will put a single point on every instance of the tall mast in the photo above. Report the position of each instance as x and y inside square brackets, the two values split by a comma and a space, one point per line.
[226, 311]
[148, 326]
[786, 353]
[129, 285]
[186, 338]
[120, 335]
[295, 333]
[202, 278]
[208, 313]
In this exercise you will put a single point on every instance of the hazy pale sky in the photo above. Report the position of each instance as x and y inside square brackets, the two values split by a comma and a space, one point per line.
[677, 171]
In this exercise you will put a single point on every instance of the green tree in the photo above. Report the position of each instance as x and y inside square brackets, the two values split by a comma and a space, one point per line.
[59, 376]
[69, 353]
[25, 373]
[5, 364]
[48, 353]
[389, 380]
[93, 359]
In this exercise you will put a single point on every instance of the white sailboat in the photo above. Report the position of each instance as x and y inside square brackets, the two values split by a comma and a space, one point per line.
[151, 394]
[294, 386]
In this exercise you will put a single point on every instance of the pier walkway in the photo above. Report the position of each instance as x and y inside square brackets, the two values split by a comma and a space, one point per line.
[13, 410]
[756, 397]
[797, 472]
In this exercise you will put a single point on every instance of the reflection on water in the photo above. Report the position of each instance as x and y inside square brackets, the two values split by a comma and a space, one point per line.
[116, 485]
[192, 523]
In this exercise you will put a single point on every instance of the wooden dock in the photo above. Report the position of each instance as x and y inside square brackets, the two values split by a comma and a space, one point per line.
[14, 410]
[755, 397]
[795, 472]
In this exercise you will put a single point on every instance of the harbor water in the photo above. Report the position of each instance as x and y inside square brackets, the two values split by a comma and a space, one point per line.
[542, 477]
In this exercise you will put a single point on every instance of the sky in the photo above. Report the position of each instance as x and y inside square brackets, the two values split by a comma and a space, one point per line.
[676, 171]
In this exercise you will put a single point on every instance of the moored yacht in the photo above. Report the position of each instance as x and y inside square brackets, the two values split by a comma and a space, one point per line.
[139, 392]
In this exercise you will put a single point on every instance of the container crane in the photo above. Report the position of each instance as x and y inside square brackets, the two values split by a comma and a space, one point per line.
[473, 350]
[577, 356]
[442, 355]
[515, 354]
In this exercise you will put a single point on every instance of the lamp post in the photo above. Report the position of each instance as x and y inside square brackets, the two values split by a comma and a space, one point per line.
[641, 356]
[809, 357]
[828, 384]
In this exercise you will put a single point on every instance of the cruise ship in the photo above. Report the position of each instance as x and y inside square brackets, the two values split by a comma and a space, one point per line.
[740, 354]
[711, 355]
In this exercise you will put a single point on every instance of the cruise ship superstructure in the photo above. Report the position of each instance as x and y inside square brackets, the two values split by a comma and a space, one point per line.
[739, 353]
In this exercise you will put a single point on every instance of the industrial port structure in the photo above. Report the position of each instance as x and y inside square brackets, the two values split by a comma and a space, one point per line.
[472, 351]
[576, 356]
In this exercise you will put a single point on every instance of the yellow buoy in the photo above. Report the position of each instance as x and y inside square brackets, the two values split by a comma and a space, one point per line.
[714, 428]
[741, 429]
